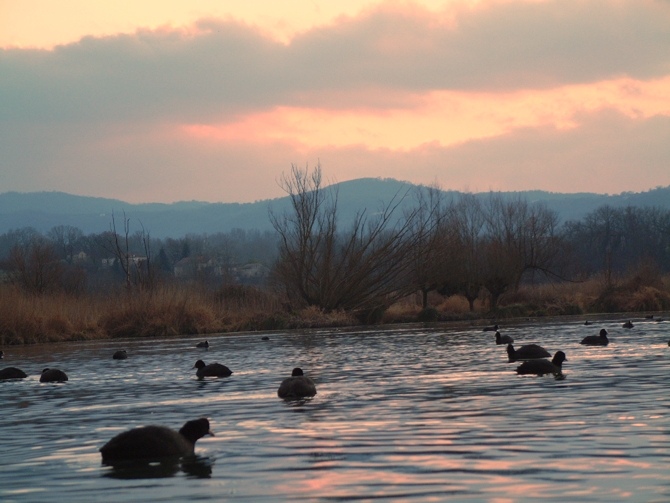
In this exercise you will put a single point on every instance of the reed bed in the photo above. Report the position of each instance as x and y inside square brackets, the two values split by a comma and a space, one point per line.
[182, 309]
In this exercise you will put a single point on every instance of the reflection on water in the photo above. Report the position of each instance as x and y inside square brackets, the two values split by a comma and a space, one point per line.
[198, 467]
[420, 414]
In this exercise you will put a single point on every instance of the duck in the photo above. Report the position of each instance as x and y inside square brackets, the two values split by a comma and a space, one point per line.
[296, 386]
[649, 317]
[203, 344]
[596, 340]
[494, 328]
[265, 338]
[587, 322]
[211, 370]
[12, 373]
[2, 355]
[120, 355]
[628, 324]
[53, 375]
[152, 442]
[541, 366]
[503, 339]
[528, 352]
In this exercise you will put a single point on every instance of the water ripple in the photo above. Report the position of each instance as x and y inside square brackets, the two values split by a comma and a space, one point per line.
[419, 414]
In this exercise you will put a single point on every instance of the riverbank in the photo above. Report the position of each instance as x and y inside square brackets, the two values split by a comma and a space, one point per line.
[172, 310]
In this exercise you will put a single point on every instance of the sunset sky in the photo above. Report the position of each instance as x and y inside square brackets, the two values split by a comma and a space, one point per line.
[147, 100]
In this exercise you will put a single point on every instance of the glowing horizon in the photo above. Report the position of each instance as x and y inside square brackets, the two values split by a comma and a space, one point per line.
[211, 100]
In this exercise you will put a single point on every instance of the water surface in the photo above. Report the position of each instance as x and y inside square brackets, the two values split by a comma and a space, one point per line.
[405, 414]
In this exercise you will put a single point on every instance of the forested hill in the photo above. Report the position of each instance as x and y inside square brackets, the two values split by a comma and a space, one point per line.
[44, 210]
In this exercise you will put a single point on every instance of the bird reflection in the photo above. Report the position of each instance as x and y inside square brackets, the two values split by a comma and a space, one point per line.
[198, 467]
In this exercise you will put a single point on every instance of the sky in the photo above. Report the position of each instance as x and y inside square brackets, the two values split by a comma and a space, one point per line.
[171, 100]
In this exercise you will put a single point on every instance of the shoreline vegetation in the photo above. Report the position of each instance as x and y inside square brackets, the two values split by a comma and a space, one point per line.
[439, 259]
[179, 310]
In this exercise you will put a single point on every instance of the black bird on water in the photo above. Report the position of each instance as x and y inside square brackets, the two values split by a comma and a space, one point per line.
[12, 373]
[503, 339]
[120, 355]
[296, 386]
[53, 375]
[528, 352]
[211, 370]
[152, 442]
[596, 340]
[541, 367]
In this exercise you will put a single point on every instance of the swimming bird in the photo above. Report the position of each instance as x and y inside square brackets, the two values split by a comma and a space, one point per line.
[151, 442]
[494, 328]
[541, 367]
[296, 386]
[204, 344]
[53, 375]
[120, 355]
[265, 338]
[12, 373]
[211, 370]
[649, 317]
[628, 324]
[503, 339]
[587, 322]
[596, 340]
[527, 352]
[2, 355]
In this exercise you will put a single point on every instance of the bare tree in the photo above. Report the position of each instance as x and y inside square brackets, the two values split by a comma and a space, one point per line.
[519, 237]
[35, 267]
[65, 239]
[137, 270]
[363, 268]
[429, 255]
[465, 256]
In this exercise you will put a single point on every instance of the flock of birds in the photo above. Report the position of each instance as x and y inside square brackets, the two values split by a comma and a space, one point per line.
[148, 443]
[534, 357]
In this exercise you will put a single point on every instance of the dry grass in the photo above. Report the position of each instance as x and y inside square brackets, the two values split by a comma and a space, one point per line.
[26, 319]
[178, 310]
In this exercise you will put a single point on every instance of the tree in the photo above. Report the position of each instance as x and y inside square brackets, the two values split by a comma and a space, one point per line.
[35, 267]
[465, 256]
[361, 269]
[519, 237]
[137, 270]
[66, 239]
[429, 234]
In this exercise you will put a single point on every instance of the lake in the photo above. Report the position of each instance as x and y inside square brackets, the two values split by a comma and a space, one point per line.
[408, 413]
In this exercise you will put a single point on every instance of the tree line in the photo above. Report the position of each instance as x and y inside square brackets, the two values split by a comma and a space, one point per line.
[480, 248]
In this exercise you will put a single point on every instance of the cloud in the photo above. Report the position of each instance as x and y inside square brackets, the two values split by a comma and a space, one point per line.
[607, 151]
[217, 70]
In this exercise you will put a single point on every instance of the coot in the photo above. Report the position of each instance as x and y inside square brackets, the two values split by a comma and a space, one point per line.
[12, 373]
[211, 370]
[596, 340]
[528, 352]
[151, 442]
[296, 386]
[503, 339]
[541, 367]
[53, 375]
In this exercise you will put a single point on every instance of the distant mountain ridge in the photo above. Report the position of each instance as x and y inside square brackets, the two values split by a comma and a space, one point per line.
[44, 210]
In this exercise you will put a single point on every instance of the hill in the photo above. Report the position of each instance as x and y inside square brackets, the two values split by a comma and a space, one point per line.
[44, 210]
